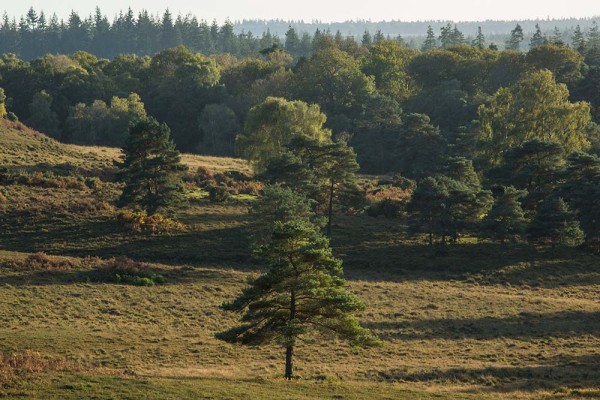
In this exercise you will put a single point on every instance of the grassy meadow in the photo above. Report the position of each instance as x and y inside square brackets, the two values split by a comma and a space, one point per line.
[467, 325]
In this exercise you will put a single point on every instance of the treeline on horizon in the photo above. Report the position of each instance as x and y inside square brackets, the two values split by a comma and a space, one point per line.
[36, 33]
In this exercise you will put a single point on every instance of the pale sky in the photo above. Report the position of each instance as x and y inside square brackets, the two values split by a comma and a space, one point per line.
[325, 10]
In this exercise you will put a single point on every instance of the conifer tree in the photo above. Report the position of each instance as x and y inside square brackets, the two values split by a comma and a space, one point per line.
[506, 219]
[430, 40]
[557, 37]
[555, 223]
[324, 172]
[516, 37]
[581, 188]
[578, 39]
[301, 291]
[479, 40]
[151, 169]
[367, 39]
[538, 39]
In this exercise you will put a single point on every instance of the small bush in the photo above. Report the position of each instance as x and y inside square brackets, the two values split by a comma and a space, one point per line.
[387, 207]
[253, 188]
[204, 177]
[127, 271]
[155, 224]
[218, 194]
[41, 262]
[11, 116]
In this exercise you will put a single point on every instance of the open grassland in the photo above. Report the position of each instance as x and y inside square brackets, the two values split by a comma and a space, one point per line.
[464, 325]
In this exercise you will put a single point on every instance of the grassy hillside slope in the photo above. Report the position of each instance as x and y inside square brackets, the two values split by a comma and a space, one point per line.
[460, 326]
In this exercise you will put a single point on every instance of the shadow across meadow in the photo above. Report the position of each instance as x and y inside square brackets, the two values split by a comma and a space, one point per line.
[524, 326]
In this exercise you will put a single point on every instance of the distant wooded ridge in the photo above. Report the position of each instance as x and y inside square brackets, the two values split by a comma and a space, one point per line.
[410, 28]
[38, 33]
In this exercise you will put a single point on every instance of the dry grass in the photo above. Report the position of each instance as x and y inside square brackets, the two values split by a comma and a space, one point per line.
[462, 326]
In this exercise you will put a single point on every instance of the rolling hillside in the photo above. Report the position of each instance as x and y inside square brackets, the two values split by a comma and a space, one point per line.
[465, 325]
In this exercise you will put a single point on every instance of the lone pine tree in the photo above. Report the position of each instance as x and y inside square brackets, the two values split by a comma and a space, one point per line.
[151, 169]
[302, 291]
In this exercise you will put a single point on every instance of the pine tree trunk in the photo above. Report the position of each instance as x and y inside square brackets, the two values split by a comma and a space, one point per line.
[289, 362]
[330, 210]
[289, 350]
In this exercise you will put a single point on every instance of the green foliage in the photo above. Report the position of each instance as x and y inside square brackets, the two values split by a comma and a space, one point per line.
[42, 117]
[555, 223]
[387, 62]
[324, 172]
[127, 271]
[179, 84]
[301, 291]
[332, 78]
[271, 125]
[2, 104]
[516, 37]
[506, 219]
[278, 204]
[535, 107]
[376, 135]
[421, 150]
[219, 127]
[564, 63]
[534, 166]
[447, 205]
[151, 169]
[217, 194]
[581, 188]
[104, 125]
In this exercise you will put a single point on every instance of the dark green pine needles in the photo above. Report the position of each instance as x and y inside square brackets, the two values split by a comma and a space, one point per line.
[151, 169]
[302, 290]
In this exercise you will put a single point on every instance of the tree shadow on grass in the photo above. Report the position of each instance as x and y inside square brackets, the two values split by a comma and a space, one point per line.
[579, 372]
[172, 276]
[525, 326]
[107, 238]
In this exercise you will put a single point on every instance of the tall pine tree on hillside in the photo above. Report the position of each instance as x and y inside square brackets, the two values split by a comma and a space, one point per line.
[151, 169]
[302, 291]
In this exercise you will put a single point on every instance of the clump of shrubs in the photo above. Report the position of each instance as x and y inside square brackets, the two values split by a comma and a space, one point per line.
[127, 271]
[389, 196]
[41, 262]
[222, 185]
[42, 179]
[204, 177]
[218, 194]
[155, 224]
[387, 207]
